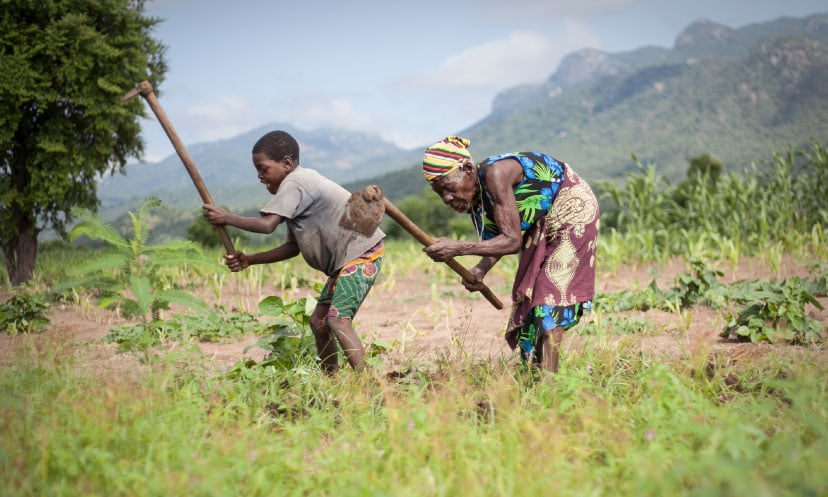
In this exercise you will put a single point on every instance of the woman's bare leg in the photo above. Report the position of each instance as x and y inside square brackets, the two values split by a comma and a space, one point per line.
[549, 348]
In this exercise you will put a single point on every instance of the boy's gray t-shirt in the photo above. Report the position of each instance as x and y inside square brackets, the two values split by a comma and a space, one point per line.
[312, 205]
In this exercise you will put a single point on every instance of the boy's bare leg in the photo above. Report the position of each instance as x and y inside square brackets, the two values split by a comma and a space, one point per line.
[325, 340]
[549, 348]
[349, 341]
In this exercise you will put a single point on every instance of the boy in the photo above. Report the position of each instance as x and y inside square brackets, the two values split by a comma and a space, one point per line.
[311, 206]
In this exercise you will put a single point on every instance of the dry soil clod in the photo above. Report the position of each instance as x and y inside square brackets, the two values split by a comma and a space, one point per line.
[364, 211]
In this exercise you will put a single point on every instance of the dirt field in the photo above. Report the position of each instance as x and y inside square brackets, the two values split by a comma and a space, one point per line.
[423, 329]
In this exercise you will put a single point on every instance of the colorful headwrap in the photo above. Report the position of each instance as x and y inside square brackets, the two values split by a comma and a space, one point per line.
[445, 156]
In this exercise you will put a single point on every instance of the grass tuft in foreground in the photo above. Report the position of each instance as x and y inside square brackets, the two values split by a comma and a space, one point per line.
[611, 423]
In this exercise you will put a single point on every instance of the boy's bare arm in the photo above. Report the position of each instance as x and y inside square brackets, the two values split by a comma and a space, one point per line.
[239, 260]
[266, 223]
[282, 252]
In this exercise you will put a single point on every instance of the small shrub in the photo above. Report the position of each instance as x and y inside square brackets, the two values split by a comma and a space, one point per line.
[774, 312]
[291, 340]
[134, 337]
[209, 327]
[690, 288]
[24, 313]
[649, 297]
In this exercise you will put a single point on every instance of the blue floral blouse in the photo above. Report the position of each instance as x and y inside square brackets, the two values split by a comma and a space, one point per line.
[543, 176]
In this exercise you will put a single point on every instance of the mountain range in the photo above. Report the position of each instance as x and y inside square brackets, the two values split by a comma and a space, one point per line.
[737, 94]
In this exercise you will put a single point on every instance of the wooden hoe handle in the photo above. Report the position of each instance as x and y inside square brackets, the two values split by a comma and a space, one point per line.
[421, 236]
[144, 88]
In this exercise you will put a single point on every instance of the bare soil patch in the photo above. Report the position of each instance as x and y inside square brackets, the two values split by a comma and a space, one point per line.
[427, 322]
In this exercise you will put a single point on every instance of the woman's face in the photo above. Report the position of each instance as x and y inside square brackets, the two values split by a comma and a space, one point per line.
[458, 189]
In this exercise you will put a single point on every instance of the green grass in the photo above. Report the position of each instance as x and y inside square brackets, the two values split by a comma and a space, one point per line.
[611, 423]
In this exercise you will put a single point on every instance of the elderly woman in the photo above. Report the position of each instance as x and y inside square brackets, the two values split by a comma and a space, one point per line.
[530, 203]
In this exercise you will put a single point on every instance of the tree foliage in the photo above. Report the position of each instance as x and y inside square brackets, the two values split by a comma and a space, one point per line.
[202, 232]
[64, 64]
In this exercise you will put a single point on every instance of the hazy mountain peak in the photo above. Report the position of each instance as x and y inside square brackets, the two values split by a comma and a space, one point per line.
[703, 32]
[584, 65]
[798, 64]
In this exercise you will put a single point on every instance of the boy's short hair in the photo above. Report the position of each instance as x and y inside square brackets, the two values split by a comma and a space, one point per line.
[277, 144]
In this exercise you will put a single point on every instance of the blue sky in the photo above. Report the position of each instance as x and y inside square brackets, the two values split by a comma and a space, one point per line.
[409, 72]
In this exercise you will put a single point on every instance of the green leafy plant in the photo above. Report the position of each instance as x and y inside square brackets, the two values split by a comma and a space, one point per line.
[616, 325]
[290, 341]
[135, 337]
[217, 326]
[377, 347]
[649, 297]
[205, 327]
[131, 275]
[818, 283]
[690, 288]
[766, 311]
[24, 313]
[774, 312]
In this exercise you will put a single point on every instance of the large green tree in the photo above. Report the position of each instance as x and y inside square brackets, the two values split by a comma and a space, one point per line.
[64, 64]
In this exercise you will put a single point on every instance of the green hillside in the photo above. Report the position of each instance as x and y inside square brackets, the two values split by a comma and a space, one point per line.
[737, 110]
[739, 95]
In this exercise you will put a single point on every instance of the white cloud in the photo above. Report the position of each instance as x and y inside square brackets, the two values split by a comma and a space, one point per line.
[495, 63]
[313, 111]
[521, 57]
[225, 117]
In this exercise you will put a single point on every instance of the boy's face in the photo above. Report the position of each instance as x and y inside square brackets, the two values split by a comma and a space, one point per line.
[271, 172]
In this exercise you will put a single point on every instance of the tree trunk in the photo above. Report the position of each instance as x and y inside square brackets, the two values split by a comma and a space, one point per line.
[20, 253]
